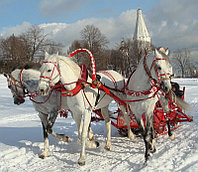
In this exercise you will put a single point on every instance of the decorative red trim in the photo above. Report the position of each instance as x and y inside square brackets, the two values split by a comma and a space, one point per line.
[91, 58]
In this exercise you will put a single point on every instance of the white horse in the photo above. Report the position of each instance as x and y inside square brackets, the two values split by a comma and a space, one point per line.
[23, 82]
[143, 88]
[62, 69]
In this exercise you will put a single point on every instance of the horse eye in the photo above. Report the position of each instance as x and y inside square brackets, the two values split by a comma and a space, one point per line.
[49, 70]
[9, 86]
[159, 67]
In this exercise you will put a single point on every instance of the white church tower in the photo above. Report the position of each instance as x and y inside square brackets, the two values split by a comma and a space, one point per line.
[141, 34]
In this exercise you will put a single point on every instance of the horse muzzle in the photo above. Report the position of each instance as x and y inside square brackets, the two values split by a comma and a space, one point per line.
[19, 101]
[165, 87]
[43, 90]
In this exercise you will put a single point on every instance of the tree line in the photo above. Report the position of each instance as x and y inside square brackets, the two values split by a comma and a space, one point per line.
[30, 47]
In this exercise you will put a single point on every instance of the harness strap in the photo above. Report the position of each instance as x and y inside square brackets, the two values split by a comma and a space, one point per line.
[72, 92]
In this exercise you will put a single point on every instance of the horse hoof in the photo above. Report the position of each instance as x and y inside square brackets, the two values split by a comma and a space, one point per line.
[92, 138]
[133, 137]
[42, 156]
[67, 139]
[147, 158]
[172, 137]
[107, 148]
[97, 144]
[153, 150]
[81, 163]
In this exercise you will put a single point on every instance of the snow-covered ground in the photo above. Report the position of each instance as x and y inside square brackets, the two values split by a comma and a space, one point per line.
[21, 141]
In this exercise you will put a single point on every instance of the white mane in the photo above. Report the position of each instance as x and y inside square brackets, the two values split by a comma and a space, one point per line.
[68, 61]
[28, 74]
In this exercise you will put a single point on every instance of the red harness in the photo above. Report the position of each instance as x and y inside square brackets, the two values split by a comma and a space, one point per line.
[79, 86]
[155, 85]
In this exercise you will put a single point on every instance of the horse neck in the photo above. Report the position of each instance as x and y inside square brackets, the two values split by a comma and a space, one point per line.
[68, 75]
[139, 80]
[30, 79]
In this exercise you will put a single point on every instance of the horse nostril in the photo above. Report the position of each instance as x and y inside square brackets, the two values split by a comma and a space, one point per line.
[41, 90]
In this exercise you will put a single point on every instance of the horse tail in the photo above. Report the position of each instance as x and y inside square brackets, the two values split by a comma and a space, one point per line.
[181, 103]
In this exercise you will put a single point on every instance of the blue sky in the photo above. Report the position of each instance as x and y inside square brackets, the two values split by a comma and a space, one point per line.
[171, 23]
[15, 12]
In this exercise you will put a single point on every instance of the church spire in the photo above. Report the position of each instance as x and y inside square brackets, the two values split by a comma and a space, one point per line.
[141, 32]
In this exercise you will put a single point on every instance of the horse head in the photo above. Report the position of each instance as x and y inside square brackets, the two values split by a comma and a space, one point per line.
[15, 85]
[159, 69]
[50, 74]
[57, 69]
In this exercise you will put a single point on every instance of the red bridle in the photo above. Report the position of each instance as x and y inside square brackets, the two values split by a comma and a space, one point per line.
[148, 71]
[50, 77]
[15, 85]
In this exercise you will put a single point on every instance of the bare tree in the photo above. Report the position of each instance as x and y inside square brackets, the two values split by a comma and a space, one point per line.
[36, 40]
[27, 47]
[93, 38]
[96, 42]
[74, 46]
[14, 48]
[181, 61]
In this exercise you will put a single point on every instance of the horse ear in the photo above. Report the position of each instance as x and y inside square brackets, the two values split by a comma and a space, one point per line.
[156, 52]
[167, 52]
[46, 55]
[57, 53]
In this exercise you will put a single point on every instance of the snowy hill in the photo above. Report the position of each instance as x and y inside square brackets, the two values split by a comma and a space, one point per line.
[21, 142]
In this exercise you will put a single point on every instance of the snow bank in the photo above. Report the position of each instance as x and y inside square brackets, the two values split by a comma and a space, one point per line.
[21, 142]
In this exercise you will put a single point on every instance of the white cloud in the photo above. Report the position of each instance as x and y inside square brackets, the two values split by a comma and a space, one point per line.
[7, 31]
[113, 28]
[181, 28]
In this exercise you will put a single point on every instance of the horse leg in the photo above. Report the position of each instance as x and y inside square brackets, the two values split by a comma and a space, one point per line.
[86, 122]
[105, 114]
[153, 141]
[91, 143]
[165, 106]
[131, 135]
[148, 137]
[44, 154]
[60, 137]
[43, 118]
[170, 134]
[77, 116]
